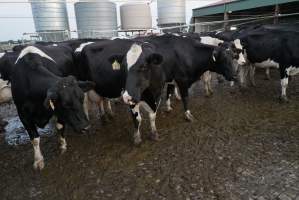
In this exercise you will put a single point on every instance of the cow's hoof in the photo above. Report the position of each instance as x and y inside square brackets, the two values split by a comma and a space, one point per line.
[39, 165]
[169, 109]
[110, 116]
[154, 136]
[283, 99]
[188, 116]
[178, 98]
[62, 150]
[208, 95]
[137, 141]
[104, 119]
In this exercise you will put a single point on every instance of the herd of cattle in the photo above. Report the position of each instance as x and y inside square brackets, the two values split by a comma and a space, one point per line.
[58, 79]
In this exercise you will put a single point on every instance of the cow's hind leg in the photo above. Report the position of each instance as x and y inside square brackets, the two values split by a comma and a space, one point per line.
[252, 75]
[35, 141]
[184, 93]
[135, 111]
[61, 137]
[267, 73]
[284, 81]
[109, 109]
[169, 91]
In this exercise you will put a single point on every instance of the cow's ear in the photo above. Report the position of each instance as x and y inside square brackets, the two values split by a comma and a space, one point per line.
[50, 99]
[86, 85]
[119, 58]
[155, 59]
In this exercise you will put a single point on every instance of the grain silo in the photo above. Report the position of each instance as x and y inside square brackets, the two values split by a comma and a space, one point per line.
[50, 19]
[135, 16]
[171, 13]
[96, 19]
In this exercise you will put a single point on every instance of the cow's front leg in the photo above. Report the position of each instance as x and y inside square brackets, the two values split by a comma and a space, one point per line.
[267, 73]
[154, 133]
[135, 111]
[169, 91]
[252, 75]
[86, 105]
[61, 137]
[184, 93]
[284, 81]
[109, 109]
[206, 77]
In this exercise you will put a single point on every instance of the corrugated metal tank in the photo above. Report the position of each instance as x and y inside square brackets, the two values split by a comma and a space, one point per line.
[135, 16]
[171, 12]
[95, 18]
[50, 19]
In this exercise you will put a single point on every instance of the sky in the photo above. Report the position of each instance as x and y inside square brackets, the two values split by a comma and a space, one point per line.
[16, 18]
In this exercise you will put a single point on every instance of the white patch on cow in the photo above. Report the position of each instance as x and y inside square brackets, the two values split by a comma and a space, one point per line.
[81, 47]
[284, 84]
[38, 157]
[1, 55]
[175, 34]
[238, 44]
[86, 105]
[214, 58]
[266, 64]
[291, 71]
[34, 50]
[168, 104]
[55, 45]
[137, 135]
[127, 98]
[62, 142]
[5, 92]
[59, 126]
[133, 55]
[210, 40]
[152, 117]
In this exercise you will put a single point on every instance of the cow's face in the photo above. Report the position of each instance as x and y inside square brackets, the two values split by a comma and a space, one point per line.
[141, 63]
[66, 100]
[223, 58]
[239, 54]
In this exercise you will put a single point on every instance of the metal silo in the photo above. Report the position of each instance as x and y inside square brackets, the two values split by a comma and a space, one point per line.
[171, 13]
[95, 19]
[135, 16]
[50, 19]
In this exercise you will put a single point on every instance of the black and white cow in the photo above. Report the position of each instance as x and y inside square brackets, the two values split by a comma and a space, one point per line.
[39, 93]
[277, 46]
[95, 62]
[184, 61]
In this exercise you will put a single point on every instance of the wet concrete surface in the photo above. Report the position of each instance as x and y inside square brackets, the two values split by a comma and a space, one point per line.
[243, 145]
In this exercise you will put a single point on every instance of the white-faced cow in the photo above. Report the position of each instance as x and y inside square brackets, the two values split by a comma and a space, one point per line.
[39, 93]
[184, 61]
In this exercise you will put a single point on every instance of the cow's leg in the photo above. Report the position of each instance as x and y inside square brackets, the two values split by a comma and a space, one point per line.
[243, 70]
[35, 141]
[184, 94]
[206, 77]
[154, 133]
[169, 91]
[61, 137]
[137, 123]
[86, 105]
[284, 81]
[252, 74]
[109, 109]
[267, 72]
[177, 94]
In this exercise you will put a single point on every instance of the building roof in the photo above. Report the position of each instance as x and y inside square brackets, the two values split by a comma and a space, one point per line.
[234, 5]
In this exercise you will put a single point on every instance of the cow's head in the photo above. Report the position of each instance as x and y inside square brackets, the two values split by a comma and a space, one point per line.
[223, 62]
[239, 53]
[66, 98]
[143, 68]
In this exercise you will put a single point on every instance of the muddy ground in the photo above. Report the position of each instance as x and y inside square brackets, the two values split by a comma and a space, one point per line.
[243, 145]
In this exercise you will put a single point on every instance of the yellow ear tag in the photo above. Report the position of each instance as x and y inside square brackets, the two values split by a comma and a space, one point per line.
[52, 105]
[115, 65]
